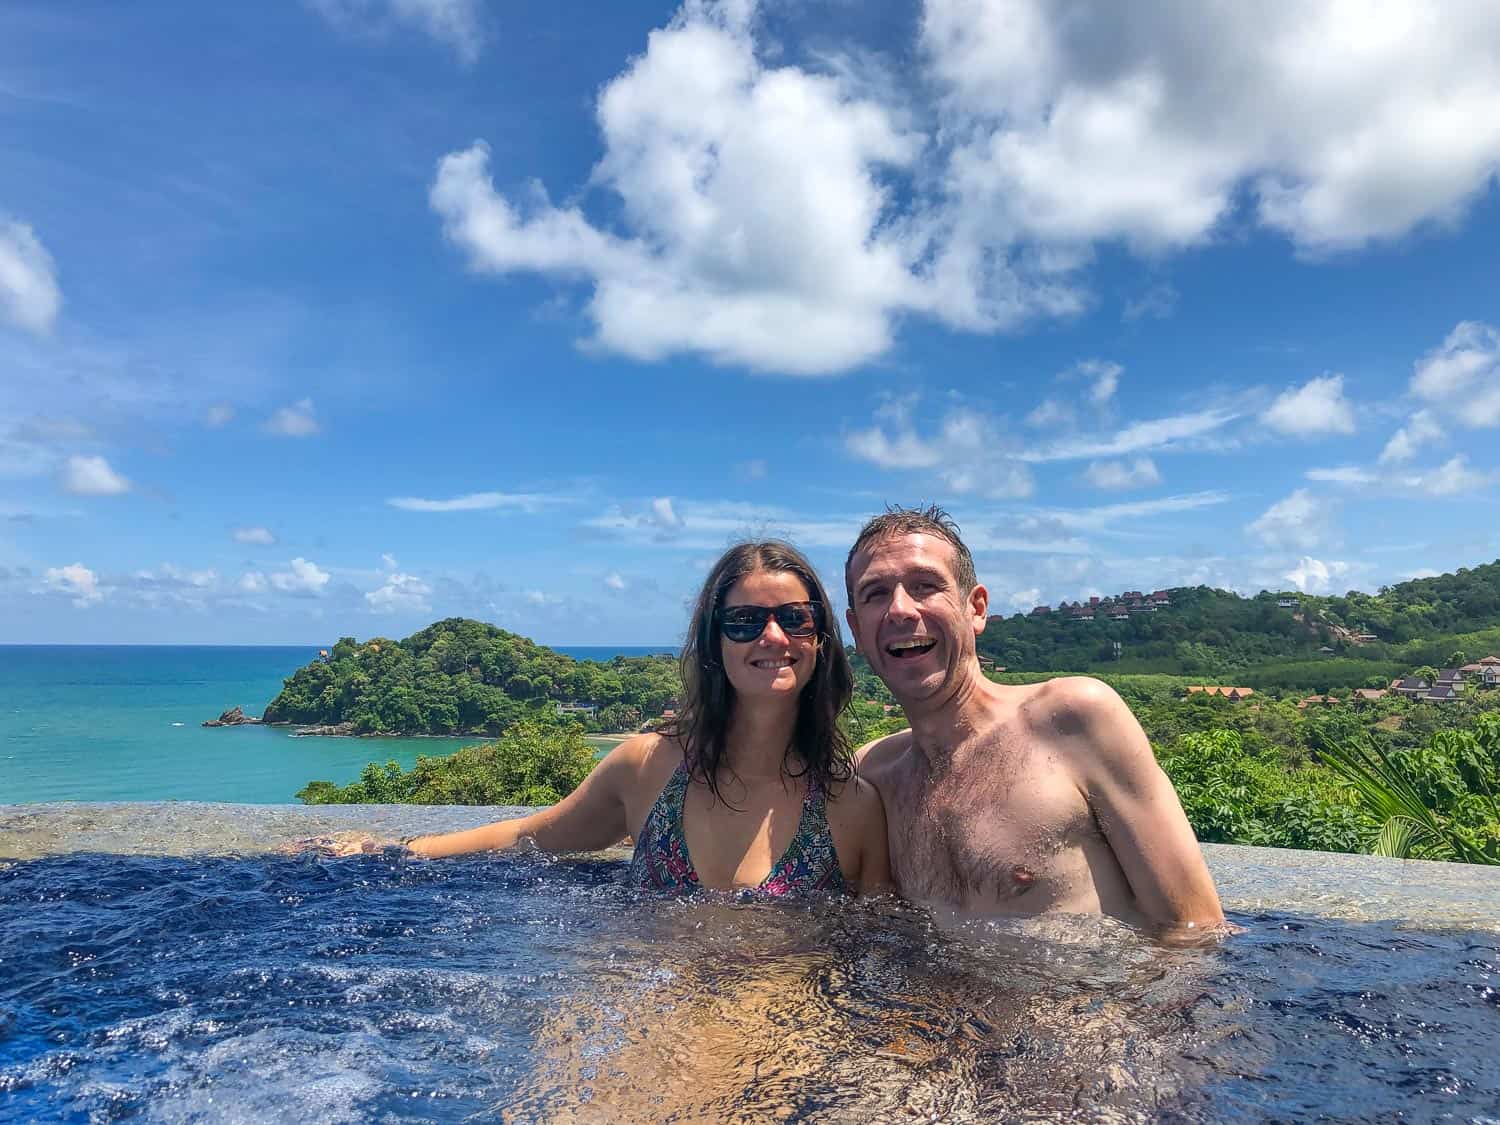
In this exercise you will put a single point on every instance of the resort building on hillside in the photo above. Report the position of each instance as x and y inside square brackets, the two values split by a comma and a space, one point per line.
[1285, 602]
[1411, 687]
[1440, 693]
[1485, 672]
[1370, 695]
[1318, 701]
[589, 709]
[1234, 694]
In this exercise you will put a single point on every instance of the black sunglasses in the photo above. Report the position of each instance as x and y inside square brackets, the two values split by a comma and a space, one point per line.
[743, 623]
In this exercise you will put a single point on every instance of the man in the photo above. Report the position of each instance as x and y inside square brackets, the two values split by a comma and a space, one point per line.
[1000, 799]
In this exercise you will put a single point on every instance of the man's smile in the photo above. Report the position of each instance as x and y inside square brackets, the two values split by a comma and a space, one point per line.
[910, 648]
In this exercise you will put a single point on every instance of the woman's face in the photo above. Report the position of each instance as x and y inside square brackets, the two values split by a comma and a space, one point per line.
[773, 664]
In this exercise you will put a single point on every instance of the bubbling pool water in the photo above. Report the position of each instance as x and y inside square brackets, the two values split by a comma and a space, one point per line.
[372, 988]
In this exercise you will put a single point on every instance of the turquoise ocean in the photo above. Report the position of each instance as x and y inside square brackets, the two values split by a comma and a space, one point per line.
[121, 723]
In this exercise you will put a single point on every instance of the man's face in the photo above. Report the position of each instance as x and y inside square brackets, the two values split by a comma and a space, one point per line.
[909, 617]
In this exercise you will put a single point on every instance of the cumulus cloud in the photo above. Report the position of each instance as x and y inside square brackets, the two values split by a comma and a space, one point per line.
[473, 502]
[1344, 474]
[254, 536]
[1298, 521]
[401, 593]
[92, 476]
[29, 294]
[77, 581]
[968, 451]
[1123, 474]
[1421, 429]
[1025, 599]
[458, 24]
[1316, 407]
[782, 214]
[251, 582]
[614, 582]
[1094, 120]
[1314, 576]
[300, 577]
[295, 421]
[1462, 375]
[1453, 477]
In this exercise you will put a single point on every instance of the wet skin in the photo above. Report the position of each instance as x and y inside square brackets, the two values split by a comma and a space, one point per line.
[1011, 800]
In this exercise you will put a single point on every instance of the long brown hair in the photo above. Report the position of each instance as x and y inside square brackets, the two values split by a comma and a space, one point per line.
[708, 699]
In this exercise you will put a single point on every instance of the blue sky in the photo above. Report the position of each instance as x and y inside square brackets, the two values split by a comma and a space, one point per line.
[338, 316]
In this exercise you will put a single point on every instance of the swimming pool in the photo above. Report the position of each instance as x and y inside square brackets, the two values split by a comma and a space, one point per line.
[154, 961]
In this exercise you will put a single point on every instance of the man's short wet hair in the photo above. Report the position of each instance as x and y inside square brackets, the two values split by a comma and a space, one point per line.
[930, 520]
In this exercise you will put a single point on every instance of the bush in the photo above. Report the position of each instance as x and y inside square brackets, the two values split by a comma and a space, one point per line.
[534, 764]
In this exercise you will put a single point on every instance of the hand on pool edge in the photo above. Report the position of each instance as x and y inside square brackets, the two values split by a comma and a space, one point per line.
[340, 844]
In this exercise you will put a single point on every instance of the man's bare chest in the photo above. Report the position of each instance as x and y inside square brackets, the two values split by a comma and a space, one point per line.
[1003, 838]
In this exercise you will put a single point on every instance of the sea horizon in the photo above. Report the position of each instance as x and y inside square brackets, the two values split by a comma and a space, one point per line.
[119, 722]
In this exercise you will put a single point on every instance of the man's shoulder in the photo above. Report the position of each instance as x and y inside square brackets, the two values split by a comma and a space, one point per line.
[881, 753]
[1076, 707]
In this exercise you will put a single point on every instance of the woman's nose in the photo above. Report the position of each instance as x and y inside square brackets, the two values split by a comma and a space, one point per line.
[772, 634]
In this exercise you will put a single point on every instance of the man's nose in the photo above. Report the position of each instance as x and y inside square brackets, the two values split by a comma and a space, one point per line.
[901, 604]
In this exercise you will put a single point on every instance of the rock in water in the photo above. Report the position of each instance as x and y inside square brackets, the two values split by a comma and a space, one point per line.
[234, 717]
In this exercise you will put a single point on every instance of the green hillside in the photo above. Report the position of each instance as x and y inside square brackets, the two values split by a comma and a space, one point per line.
[459, 676]
[1316, 642]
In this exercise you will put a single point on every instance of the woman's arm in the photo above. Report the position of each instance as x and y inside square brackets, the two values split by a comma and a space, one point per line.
[591, 817]
[857, 819]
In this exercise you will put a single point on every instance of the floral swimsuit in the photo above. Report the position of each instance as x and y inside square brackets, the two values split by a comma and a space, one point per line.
[810, 865]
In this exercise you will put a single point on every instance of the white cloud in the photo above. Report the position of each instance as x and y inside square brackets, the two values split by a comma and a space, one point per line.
[1313, 576]
[1462, 375]
[710, 525]
[92, 476]
[1298, 521]
[1108, 516]
[474, 502]
[969, 452]
[1421, 429]
[388, 561]
[401, 593]
[1096, 121]
[294, 421]
[1158, 303]
[254, 536]
[1049, 413]
[301, 577]
[1452, 478]
[29, 294]
[218, 416]
[457, 24]
[251, 582]
[1123, 474]
[783, 214]
[1422, 572]
[664, 514]
[1138, 437]
[614, 581]
[1344, 474]
[1102, 375]
[1025, 599]
[1316, 407]
[77, 581]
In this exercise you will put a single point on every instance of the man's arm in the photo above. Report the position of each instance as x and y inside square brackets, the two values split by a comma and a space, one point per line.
[1135, 805]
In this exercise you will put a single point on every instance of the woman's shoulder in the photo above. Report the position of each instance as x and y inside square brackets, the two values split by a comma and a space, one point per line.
[646, 754]
[853, 797]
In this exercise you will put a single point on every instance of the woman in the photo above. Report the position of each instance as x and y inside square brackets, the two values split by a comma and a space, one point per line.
[752, 786]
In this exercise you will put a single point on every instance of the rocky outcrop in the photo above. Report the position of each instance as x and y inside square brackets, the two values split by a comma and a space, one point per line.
[337, 729]
[234, 717]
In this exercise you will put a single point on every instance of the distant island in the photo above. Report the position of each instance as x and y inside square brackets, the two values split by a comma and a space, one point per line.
[460, 676]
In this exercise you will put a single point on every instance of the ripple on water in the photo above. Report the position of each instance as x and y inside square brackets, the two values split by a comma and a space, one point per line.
[312, 990]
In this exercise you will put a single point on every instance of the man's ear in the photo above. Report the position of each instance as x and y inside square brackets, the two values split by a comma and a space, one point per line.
[979, 606]
[853, 630]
